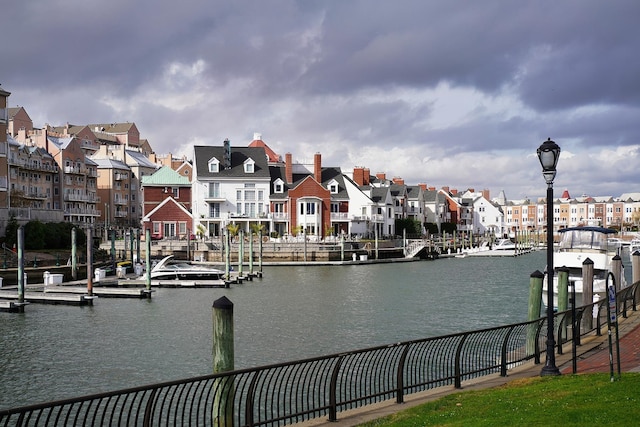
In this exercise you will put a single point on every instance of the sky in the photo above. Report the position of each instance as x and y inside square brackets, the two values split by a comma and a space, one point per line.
[448, 93]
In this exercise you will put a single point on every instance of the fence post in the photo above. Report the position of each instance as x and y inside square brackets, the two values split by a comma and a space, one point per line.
[635, 275]
[223, 361]
[535, 308]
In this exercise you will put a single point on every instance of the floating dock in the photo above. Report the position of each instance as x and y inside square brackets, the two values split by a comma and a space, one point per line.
[47, 298]
[102, 292]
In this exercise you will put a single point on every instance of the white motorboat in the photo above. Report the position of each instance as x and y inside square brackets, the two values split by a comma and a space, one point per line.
[576, 245]
[504, 245]
[171, 269]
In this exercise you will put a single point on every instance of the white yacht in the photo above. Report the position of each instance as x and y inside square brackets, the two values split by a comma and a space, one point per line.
[171, 269]
[576, 245]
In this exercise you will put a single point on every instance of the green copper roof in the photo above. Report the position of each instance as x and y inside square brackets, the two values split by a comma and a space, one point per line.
[166, 176]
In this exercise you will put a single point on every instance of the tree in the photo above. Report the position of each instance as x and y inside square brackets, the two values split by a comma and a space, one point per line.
[233, 230]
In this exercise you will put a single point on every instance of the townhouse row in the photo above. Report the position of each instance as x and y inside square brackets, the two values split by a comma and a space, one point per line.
[104, 176]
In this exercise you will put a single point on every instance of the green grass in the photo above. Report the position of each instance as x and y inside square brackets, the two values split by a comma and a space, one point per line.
[567, 400]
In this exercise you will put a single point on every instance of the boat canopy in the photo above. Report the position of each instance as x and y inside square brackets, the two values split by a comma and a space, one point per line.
[585, 238]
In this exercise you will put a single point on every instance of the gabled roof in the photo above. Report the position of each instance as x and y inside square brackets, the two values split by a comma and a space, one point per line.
[169, 199]
[204, 153]
[12, 111]
[328, 174]
[165, 176]
[379, 194]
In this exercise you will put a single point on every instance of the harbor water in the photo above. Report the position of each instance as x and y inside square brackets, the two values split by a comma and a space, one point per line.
[53, 352]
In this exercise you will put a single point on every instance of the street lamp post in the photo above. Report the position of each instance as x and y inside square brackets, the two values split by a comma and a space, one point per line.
[548, 153]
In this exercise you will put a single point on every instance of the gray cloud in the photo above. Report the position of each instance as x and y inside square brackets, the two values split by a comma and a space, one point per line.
[474, 87]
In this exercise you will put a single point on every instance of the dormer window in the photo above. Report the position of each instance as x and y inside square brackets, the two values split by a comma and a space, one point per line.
[278, 186]
[214, 165]
[333, 186]
[249, 165]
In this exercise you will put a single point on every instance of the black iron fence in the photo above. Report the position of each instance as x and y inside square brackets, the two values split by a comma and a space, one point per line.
[325, 386]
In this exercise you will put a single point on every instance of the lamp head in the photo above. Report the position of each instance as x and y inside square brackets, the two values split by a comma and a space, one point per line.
[548, 154]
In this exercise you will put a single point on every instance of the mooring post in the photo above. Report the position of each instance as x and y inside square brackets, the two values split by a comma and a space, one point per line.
[250, 254]
[563, 296]
[240, 253]
[260, 254]
[223, 361]
[113, 251]
[74, 256]
[616, 269]
[587, 290]
[21, 275]
[89, 262]
[147, 256]
[535, 308]
[138, 246]
[227, 254]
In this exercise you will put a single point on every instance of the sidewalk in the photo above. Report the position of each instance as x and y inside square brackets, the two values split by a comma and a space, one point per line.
[592, 356]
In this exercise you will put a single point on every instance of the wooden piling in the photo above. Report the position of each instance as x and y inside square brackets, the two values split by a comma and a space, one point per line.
[223, 361]
[147, 256]
[21, 273]
[563, 296]
[587, 290]
[74, 256]
[535, 307]
[563, 288]
[89, 262]
[616, 269]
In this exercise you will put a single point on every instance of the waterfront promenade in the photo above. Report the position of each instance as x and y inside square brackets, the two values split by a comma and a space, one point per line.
[592, 357]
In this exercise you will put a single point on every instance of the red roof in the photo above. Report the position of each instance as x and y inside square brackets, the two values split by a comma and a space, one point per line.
[271, 155]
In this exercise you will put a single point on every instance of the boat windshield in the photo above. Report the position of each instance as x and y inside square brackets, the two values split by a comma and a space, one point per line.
[583, 239]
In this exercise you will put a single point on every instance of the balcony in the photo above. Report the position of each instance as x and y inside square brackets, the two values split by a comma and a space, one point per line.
[280, 216]
[339, 216]
[75, 170]
[215, 196]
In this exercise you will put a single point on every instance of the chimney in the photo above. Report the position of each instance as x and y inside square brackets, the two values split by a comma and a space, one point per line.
[317, 167]
[358, 175]
[432, 188]
[257, 136]
[381, 175]
[227, 154]
[454, 191]
[486, 194]
[423, 186]
[445, 189]
[288, 168]
[367, 176]
[398, 180]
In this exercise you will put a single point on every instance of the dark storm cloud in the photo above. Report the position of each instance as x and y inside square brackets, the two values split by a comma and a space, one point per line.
[342, 74]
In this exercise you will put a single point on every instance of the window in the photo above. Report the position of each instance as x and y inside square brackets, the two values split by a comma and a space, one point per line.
[182, 227]
[214, 165]
[214, 190]
[214, 210]
[278, 186]
[249, 166]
